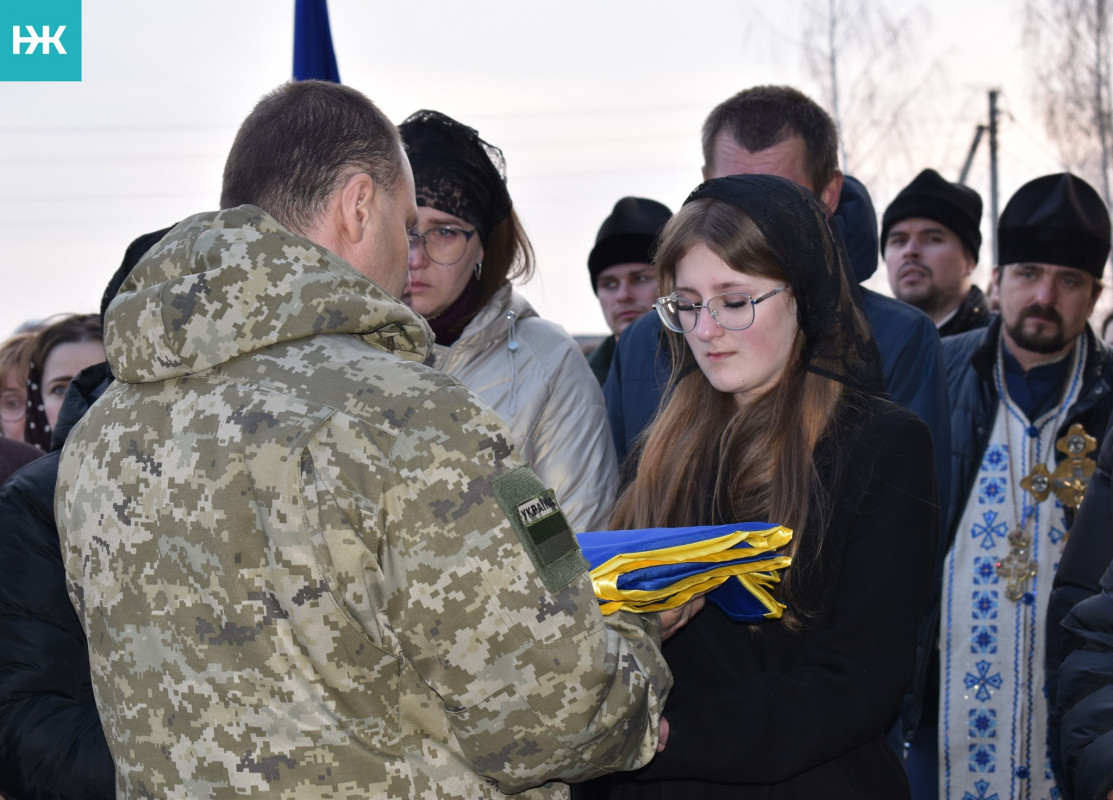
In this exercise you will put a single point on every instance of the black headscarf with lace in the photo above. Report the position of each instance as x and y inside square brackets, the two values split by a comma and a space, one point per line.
[455, 171]
[838, 342]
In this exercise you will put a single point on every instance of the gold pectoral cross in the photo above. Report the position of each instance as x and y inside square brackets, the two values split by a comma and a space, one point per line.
[1038, 482]
[1017, 567]
[1072, 476]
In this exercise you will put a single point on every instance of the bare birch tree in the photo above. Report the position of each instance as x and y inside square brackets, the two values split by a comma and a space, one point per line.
[866, 60]
[1069, 41]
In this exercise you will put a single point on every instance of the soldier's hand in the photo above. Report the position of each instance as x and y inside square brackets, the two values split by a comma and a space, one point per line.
[663, 735]
[676, 618]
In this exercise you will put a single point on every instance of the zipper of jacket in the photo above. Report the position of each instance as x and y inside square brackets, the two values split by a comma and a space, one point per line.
[512, 346]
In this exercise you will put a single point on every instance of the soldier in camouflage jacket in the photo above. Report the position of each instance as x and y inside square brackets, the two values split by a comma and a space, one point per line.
[310, 566]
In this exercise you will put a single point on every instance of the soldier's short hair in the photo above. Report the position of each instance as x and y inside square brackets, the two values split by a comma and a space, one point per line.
[763, 116]
[301, 143]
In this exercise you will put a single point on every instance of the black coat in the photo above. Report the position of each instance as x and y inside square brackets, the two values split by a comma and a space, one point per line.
[973, 312]
[600, 358]
[766, 712]
[52, 746]
[14, 454]
[1080, 649]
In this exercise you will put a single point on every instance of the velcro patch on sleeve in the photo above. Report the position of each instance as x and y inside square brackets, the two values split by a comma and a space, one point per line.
[537, 519]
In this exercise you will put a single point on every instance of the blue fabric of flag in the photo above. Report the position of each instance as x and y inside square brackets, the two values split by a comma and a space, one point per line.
[655, 569]
[314, 58]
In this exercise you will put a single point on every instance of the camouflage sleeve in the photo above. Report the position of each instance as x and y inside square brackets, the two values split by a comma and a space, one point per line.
[485, 592]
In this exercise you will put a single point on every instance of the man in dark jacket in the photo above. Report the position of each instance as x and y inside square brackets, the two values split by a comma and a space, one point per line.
[930, 239]
[1080, 650]
[621, 269]
[1031, 395]
[52, 745]
[777, 130]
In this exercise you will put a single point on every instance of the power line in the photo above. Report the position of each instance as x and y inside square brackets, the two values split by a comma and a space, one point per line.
[86, 129]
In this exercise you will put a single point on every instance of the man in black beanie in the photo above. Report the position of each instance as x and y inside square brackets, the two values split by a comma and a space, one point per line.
[1031, 397]
[930, 239]
[621, 269]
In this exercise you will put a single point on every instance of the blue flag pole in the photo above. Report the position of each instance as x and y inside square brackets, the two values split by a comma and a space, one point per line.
[314, 58]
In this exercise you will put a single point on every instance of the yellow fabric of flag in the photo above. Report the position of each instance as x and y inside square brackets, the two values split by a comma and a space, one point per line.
[657, 569]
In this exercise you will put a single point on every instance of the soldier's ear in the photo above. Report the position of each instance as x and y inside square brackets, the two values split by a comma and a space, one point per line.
[355, 206]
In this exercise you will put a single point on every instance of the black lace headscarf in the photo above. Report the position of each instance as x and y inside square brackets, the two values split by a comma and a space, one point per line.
[838, 342]
[455, 171]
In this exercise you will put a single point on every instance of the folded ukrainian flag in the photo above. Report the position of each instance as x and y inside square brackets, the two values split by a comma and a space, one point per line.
[656, 569]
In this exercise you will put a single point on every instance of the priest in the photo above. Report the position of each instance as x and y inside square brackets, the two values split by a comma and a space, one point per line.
[1031, 397]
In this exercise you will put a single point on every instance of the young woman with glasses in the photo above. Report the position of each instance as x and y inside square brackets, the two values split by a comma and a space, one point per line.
[466, 249]
[776, 413]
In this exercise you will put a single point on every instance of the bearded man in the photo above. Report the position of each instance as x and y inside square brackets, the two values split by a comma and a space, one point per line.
[1031, 397]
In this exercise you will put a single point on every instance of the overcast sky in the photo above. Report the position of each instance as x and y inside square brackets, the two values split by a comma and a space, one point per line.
[590, 101]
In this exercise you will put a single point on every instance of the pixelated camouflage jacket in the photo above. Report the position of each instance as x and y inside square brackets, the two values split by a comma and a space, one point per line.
[309, 566]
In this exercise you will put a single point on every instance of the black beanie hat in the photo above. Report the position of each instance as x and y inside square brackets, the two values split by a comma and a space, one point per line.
[932, 196]
[627, 236]
[1057, 219]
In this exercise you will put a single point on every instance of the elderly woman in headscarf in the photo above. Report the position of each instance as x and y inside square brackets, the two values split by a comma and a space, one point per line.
[775, 413]
[466, 249]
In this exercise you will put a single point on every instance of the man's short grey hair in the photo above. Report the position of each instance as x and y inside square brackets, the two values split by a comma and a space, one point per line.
[301, 143]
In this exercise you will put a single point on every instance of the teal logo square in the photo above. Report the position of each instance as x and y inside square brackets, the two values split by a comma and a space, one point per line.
[40, 40]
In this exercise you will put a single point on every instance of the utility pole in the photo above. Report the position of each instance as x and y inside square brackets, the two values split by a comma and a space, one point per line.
[992, 128]
[970, 156]
[993, 170]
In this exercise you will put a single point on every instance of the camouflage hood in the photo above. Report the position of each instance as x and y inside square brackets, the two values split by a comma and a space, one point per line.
[223, 284]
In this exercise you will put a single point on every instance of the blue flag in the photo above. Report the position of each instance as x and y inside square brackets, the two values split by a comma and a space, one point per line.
[655, 569]
[314, 58]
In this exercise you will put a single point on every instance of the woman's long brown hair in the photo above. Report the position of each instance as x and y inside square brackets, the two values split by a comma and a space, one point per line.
[704, 459]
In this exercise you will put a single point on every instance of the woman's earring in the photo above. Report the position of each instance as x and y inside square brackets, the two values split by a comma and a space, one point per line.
[478, 269]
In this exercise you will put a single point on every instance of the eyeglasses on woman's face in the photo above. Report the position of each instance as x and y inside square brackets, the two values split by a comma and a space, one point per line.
[734, 311]
[444, 244]
[13, 405]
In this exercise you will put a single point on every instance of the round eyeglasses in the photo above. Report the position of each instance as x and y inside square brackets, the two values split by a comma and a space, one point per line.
[734, 311]
[13, 406]
[444, 244]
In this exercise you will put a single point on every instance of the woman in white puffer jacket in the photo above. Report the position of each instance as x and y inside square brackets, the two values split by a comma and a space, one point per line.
[467, 247]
